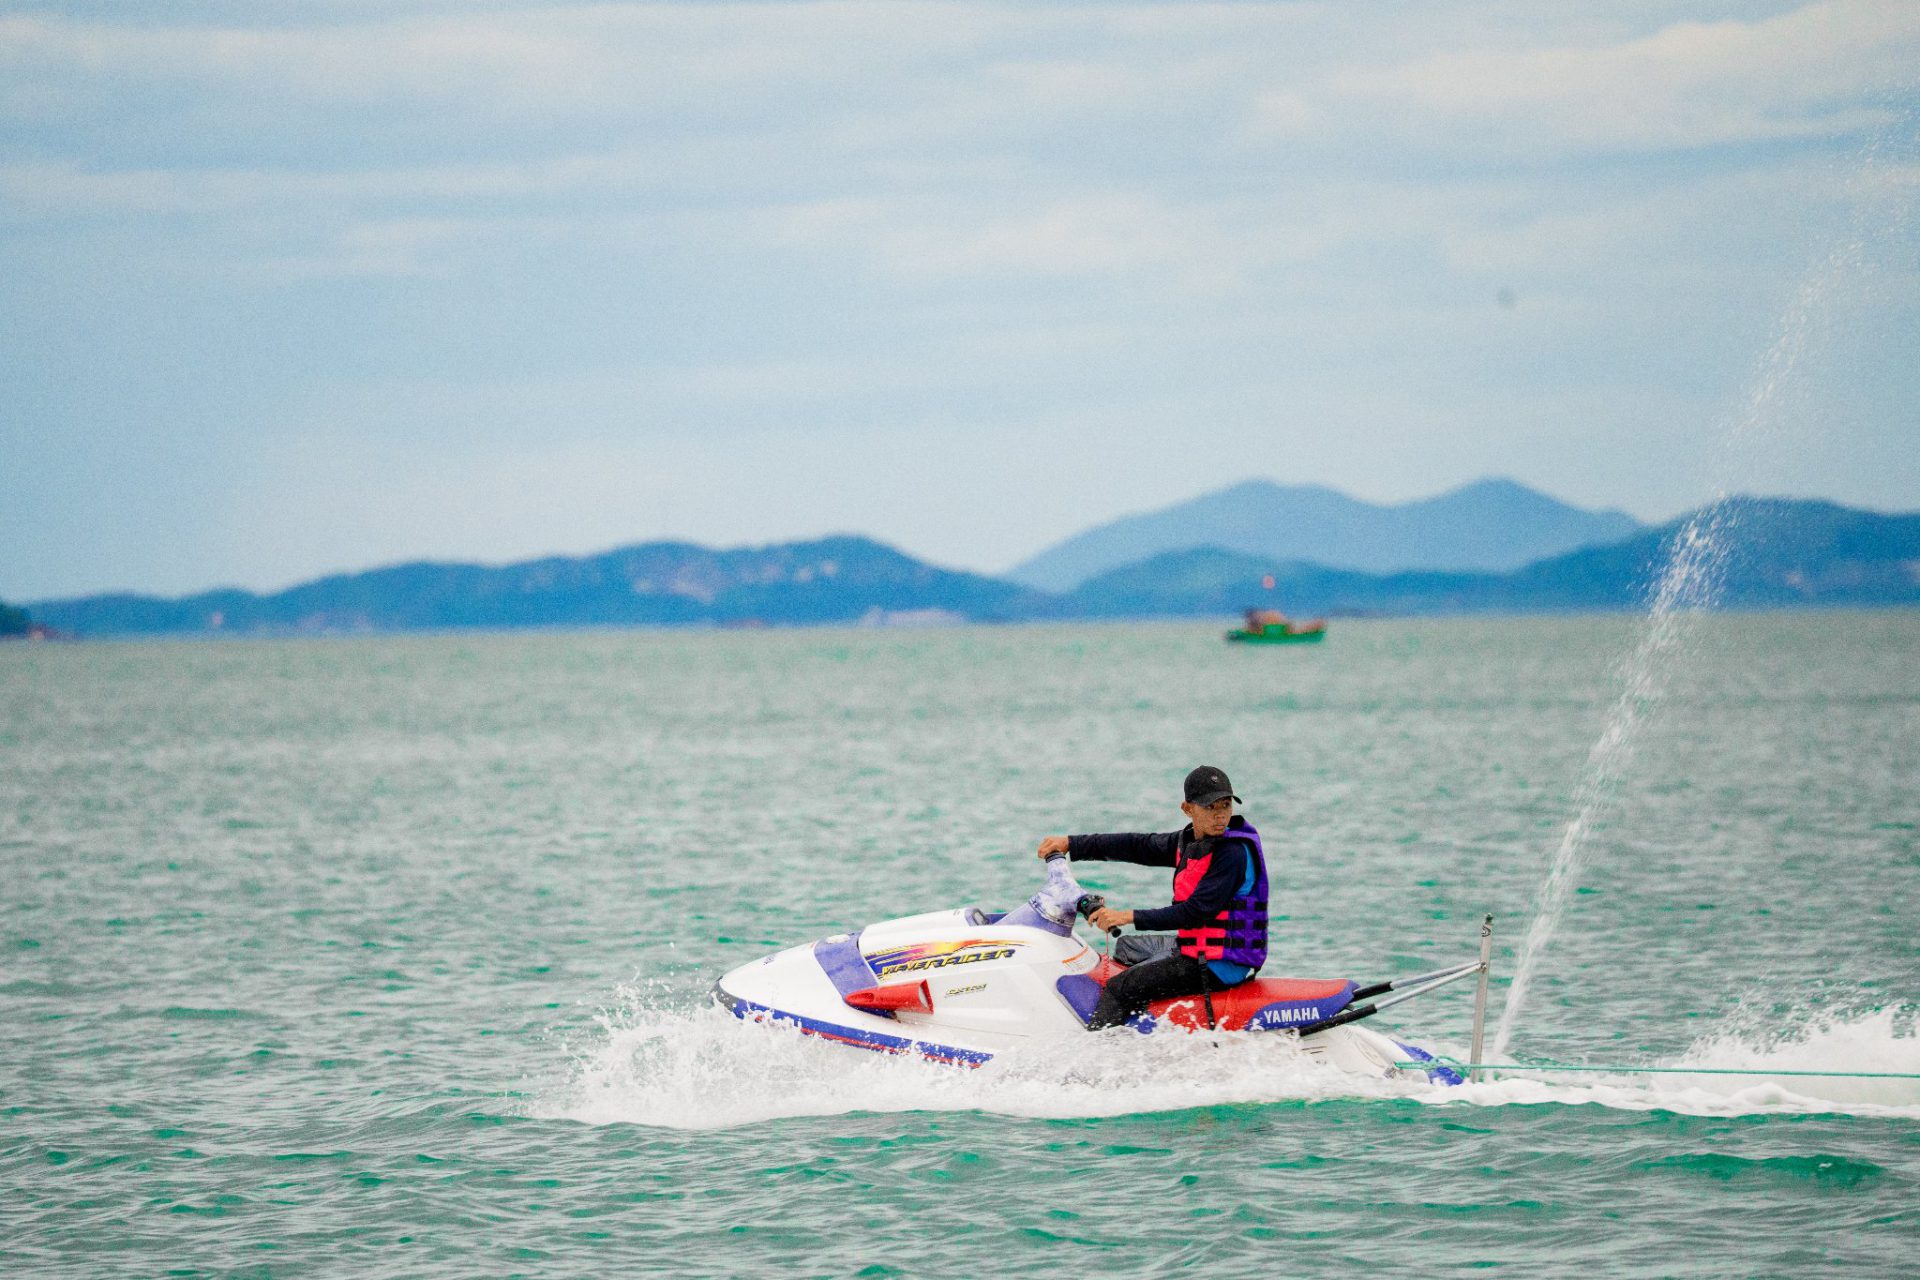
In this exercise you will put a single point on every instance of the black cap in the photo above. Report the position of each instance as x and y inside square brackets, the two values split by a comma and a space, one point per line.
[1207, 784]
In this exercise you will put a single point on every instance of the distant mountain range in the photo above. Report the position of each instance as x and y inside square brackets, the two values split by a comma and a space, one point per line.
[833, 580]
[1778, 553]
[1491, 526]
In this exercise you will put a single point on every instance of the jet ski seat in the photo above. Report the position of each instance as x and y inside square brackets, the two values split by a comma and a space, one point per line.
[1258, 1004]
[1138, 948]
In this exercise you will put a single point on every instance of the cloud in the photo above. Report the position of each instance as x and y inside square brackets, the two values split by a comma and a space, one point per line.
[1824, 71]
[1195, 246]
[56, 190]
[551, 61]
[845, 80]
[1056, 107]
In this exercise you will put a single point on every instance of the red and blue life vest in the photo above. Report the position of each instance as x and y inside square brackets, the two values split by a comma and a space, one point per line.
[1238, 935]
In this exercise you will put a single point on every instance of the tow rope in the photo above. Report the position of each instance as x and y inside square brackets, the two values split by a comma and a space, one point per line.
[1671, 1071]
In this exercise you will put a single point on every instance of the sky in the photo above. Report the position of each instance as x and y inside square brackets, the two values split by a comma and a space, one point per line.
[303, 287]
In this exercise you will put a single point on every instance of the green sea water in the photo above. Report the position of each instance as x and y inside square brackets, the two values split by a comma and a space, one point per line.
[389, 956]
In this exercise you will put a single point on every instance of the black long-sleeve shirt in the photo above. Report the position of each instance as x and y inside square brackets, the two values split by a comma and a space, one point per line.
[1223, 878]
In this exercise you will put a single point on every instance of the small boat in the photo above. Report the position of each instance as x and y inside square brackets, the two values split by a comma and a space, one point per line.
[1270, 626]
[962, 985]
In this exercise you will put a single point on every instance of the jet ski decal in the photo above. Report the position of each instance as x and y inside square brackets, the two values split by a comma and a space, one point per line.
[1260, 1004]
[877, 1041]
[940, 955]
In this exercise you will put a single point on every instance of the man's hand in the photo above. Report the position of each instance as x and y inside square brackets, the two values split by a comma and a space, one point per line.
[1108, 918]
[1052, 845]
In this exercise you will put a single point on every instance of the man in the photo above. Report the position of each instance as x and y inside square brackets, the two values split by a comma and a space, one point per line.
[1219, 906]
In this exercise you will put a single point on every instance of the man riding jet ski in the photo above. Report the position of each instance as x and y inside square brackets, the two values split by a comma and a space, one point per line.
[963, 985]
[1219, 908]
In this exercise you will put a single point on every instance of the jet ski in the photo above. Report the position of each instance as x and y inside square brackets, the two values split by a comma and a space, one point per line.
[962, 985]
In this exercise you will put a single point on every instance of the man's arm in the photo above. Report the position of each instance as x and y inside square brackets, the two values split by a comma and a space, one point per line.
[1144, 850]
[1210, 897]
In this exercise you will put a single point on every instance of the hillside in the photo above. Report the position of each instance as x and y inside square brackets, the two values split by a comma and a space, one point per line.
[1215, 582]
[1779, 553]
[1489, 526]
[833, 580]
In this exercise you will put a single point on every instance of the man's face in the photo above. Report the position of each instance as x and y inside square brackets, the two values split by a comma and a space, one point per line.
[1209, 820]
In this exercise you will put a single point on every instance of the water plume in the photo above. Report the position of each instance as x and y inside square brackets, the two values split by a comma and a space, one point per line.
[1691, 576]
[1689, 581]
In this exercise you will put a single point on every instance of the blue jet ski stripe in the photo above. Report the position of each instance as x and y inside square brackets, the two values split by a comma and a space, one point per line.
[877, 1041]
[1439, 1072]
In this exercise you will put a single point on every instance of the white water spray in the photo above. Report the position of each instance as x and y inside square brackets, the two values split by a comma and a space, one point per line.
[1689, 582]
[659, 1064]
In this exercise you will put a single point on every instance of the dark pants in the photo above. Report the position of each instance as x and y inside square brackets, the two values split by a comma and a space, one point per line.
[1131, 990]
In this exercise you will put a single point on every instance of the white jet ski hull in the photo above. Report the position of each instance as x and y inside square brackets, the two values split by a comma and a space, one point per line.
[989, 988]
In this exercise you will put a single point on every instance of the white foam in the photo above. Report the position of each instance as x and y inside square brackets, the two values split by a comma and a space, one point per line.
[653, 1063]
[1865, 1044]
[705, 1069]
[1877, 1042]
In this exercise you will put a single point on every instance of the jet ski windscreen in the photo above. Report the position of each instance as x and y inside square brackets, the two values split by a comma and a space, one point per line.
[1053, 907]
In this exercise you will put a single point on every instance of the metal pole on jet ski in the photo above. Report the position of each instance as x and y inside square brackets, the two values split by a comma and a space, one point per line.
[1480, 997]
[1353, 1013]
[1418, 979]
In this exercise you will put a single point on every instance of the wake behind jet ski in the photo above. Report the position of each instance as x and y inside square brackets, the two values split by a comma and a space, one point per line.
[962, 985]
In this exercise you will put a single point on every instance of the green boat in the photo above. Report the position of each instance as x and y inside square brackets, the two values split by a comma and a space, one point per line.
[1270, 626]
[1311, 634]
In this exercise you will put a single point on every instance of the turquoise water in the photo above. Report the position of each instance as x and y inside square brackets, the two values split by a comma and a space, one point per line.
[388, 956]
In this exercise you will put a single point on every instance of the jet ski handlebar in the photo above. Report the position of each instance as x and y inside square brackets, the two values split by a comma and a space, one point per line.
[1090, 903]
